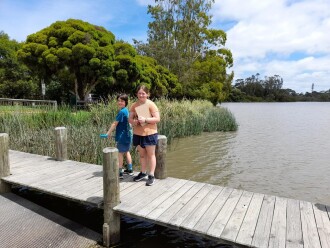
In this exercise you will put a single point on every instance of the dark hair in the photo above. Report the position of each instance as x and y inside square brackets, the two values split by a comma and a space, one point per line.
[123, 97]
[143, 87]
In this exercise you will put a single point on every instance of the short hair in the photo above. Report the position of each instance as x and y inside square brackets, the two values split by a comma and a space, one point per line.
[123, 97]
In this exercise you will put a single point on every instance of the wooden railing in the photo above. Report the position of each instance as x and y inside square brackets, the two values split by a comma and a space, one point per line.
[48, 104]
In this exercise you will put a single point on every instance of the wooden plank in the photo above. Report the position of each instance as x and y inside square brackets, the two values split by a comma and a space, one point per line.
[192, 219]
[191, 206]
[71, 193]
[278, 230]
[134, 186]
[74, 182]
[232, 228]
[72, 190]
[87, 186]
[294, 237]
[28, 167]
[131, 203]
[124, 185]
[161, 208]
[67, 187]
[322, 223]
[246, 232]
[309, 229]
[135, 200]
[86, 196]
[143, 212]
[27, 162]
[223, 216]
[209, 216]
[65, 176]
[261, 235]
[180, 203]
[18, 156]
[40, 174]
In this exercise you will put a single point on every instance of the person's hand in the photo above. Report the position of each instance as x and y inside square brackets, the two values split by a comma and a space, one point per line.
[142, 119]
[136, 122]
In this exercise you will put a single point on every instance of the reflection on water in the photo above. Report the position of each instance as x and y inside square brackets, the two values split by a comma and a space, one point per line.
[279, 149]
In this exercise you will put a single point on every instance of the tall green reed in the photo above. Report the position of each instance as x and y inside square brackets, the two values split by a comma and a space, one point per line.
[34, 132]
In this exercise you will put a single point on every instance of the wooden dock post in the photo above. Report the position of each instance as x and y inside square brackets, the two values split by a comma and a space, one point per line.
[111, 226]
[161, 171]
[61, 139]
[4, 162]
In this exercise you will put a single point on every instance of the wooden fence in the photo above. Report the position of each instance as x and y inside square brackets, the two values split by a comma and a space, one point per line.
[48, 104]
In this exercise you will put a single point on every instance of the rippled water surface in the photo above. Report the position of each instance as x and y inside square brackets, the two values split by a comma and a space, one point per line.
[280, 149]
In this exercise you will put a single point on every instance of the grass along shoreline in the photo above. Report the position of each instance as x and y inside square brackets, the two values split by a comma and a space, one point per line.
[34, 132]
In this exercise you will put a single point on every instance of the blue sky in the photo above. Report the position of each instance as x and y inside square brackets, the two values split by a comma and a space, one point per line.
[289, 38]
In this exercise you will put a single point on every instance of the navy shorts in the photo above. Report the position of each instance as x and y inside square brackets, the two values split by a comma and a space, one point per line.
[123, 147]
[143, 141]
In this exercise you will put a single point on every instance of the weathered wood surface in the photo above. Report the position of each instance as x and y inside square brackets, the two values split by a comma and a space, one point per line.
[228, 215]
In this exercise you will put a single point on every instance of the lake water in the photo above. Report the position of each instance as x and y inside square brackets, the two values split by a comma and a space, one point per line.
[280, 149]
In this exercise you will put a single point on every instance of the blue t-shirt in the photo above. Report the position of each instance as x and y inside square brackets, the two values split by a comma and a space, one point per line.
[123, 130]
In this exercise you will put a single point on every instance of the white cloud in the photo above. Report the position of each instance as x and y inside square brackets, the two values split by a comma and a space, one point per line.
[269, 33]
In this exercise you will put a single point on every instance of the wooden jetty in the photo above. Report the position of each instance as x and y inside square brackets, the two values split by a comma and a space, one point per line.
[231, 216]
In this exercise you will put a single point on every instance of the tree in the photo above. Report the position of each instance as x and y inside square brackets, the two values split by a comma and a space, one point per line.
[72, 47]
[179, 37]
[131, 69]
[15, 78]
[210, 80]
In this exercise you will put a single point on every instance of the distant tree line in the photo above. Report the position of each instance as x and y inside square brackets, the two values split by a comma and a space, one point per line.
[269, 89]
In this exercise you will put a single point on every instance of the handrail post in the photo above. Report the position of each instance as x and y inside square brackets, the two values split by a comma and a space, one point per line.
[4, 162]
[61, 138]
[111, 226]
[161, 171]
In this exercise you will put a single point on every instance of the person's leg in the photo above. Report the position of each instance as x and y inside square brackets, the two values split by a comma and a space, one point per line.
[151, 157]
[120, 159]
[128, 158]
[152, 164]
[120, 162]
[129, 163]
[143, 162]
[143, 158]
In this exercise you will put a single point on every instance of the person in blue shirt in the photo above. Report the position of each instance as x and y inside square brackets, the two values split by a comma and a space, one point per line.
[123, 134]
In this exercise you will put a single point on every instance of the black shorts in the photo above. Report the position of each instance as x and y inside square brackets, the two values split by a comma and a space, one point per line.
[143, 141]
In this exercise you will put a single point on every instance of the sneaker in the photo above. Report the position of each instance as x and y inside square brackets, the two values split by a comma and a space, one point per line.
[140, 176]
[121, 176]
[150, 181]
[129, 172]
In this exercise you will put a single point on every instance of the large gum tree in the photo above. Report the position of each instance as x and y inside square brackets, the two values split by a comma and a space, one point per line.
[180, 39]
[83, 51]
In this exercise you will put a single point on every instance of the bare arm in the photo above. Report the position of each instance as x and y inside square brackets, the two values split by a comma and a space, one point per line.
[113, 127]
[151, 120]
